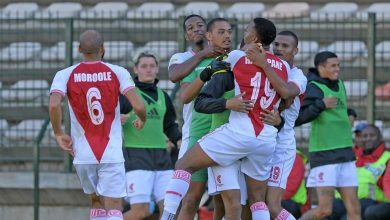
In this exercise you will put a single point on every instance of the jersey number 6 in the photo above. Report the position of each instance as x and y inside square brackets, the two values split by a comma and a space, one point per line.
[95, 109]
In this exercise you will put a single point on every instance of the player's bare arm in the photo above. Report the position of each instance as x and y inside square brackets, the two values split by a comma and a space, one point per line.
[257, 55]
[138, 107]
[55, 111]
[177, 72]
[190, 90]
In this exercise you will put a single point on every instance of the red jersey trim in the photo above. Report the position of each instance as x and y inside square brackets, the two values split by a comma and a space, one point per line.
[128, 89]
[57, 91]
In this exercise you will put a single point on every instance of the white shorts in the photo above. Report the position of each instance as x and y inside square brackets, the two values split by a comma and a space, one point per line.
[105, 179]
[281, 165]
[183, 147]
[143, 185]
[225, 147]
[336, 175]
[226, 178]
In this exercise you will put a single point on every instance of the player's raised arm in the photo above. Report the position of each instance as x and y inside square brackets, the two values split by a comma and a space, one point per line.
[177, 72]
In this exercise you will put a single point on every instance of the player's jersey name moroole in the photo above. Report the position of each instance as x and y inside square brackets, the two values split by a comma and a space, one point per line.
[92, 77]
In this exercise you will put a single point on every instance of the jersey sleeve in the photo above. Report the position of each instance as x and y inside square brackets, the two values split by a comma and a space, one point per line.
[125, 81]
[296, 76]
[60, 81]
[233, 57]
[177, 58]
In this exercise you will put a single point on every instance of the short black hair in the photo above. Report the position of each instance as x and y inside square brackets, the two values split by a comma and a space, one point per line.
[321, 57]
[291, 34]
[213, 21]
[351, 112]
[266, 30]
[190, 16]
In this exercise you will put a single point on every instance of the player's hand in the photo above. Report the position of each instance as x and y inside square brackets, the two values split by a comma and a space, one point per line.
[124, 118]
[216, 66]
[330, 102]
[256, 54]
[65, 142]
[138, 123]
[238, 104]
[212, 51]
[271, 117]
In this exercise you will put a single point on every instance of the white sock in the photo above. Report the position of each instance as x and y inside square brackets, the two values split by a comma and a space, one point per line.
[97, 214]
[259, 211]
[176, 190]
[284, 215]
[114, 214]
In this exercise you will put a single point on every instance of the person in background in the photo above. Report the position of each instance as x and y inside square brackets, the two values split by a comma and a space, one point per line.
[330, 153]
[148, 163]
[180, 66]
[373, 177]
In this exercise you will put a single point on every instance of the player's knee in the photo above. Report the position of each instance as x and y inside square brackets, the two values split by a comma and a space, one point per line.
[183, 165]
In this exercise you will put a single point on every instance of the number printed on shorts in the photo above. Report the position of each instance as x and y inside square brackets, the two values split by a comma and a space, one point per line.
[275, 172]
[95, 109]
[269, 93]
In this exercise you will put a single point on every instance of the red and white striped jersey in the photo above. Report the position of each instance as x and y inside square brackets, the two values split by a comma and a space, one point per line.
[93, 93]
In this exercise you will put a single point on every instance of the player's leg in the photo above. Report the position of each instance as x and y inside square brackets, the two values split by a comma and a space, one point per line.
[97, 211]
[325, 199]
[160, 185]
[347, 185]
[226, 181]
[88, 179]
[138, 211]
[351, 202]
[256, 198]
[256, 168]
[282, 163]
[211, 153]
[219, 209]
[112, 186]
[139, 185]
[193, 160]
[324, 180]
[191, 201]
